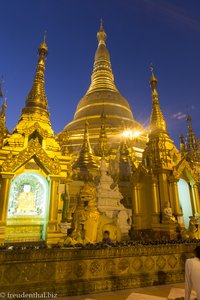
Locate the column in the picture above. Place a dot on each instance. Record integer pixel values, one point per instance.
(155, 201)
(53, 207)
(4, 197)
(155, 194)
(196, 198)
(176, 202)
(135, 205)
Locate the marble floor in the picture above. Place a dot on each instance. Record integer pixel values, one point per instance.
(161, 292)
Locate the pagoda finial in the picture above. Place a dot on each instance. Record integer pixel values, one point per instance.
(101, 25)
(157, 121)
(153, 81)
(45, 37)
(1, 91)
(101, 35)
(36, 99)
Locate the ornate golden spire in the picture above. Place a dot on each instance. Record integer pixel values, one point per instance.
(3, 128)
(182, 144)
(102, 76)
(191, 141)
(102, 146)
(85, 160)
(37, 100)
(157, 122)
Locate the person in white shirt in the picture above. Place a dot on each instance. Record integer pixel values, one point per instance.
(192, 275)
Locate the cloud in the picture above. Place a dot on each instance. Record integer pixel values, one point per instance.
(172, 11)
(179, 115)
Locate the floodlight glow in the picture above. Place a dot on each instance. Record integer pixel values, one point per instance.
(127, 133)
(136, 133)
(131, 134)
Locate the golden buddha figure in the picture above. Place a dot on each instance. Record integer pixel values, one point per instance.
(26, 203)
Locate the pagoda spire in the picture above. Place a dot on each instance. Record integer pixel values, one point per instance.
(182, 144)
(102, 77)
(157, 121)
(102, 146)
(157, 153)
(85, 160)
(3, 128)
(36, 100)
(1, 92)
(191, 140)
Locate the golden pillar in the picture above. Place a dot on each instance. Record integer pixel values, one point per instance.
(53, 231)
(155, 201)
(4, 197)
(176, 202)
(196, 198)
(53, 207)
(135, 205)
(163, 189)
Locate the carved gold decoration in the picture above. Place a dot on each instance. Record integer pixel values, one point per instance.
(110, 267)
(65, 272)
(181, 166)
(80, 269)
(123, 266)
(34, 150)
(36, 126)
(95, 267)
(137, 264)
(161, 262)
(172, 261)
(149, 263)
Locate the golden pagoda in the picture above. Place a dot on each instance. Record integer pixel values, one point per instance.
(103, 98)
(49, 183)
(95, 194)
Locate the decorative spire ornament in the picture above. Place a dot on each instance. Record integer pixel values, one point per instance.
(102, 77)
(36, 100)
(85, 160)
(157, 122)
(191, 140)
(1, 92)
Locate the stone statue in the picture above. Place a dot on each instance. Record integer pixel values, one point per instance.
(64, 197)
(194, 227)
(88, 222)
(167, 214)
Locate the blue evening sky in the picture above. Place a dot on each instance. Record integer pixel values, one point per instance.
(140, 32)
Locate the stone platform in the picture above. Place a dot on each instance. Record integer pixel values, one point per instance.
(160, 292)
(76, 271)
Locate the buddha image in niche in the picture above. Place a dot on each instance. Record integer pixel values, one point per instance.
(26, 201)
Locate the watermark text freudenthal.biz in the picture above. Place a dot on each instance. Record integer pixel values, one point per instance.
(24, 295)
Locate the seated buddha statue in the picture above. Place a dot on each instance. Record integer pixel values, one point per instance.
(26, 203)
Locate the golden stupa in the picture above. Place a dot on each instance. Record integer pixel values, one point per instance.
(102, 98)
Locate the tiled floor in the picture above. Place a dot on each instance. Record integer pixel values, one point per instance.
(148, 293)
